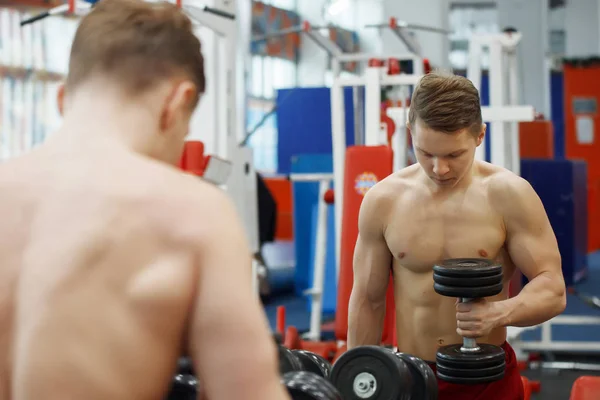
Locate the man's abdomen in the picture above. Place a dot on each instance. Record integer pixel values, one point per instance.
(421, 330)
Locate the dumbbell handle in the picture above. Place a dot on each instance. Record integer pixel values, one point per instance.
(469, 344)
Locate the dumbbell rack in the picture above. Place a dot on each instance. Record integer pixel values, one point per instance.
(547, 343)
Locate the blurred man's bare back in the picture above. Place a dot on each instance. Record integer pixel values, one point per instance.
(98, 279)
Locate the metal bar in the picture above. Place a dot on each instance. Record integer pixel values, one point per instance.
(210, 20)
(399, 142)
(358, 102)
(574, 366)
(338, 138)
(498, 139)
(351, 81)
(408, 41)
(507, 113)
(417, 27)
(557, 346)
(59, 10)
(386, 25)
(427, 28)
(325, 43)
(366, 57)
(218, 12)
(40, 16)
(310, 177)
(316, 312)
(283, 32)
(574, 320)
(373, 106)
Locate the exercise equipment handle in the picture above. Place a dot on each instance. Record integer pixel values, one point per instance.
(218, 12)
(35, 18)
(469, 344)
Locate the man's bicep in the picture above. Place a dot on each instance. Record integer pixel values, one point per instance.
(532, 244)
(372, 257)
(229, 335)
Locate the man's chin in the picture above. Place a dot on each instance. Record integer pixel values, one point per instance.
(444, 182)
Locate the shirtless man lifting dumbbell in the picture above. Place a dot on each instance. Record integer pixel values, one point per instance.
(114, 263)
(447, 206)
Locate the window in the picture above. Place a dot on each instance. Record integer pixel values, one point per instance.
(466, 21)
(264, 140)
(266, 76)
(269, 74)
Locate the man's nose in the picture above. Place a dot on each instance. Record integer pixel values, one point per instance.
(440, 167)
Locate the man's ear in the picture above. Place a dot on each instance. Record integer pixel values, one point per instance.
(177, 104)
(481, 135)
(60, 99)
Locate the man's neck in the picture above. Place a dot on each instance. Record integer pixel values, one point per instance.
(105, 123)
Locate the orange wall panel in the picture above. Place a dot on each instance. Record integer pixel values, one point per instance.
(536, 139)
(281, 189)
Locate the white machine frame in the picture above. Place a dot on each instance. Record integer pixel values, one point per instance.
(546, 343)
(230, 125)
(318, 285)
(503, 113)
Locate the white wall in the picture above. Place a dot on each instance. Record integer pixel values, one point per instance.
(582, 28)
(434, 13)
(530, 17)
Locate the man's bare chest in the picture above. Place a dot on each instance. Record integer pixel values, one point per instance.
(425, 233)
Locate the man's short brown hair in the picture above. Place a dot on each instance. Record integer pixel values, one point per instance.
(136, 44)
(446, 103)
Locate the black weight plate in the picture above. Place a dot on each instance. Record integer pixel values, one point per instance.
(470, 381)
(467, 267)
(424, 382)
(313, 363)
(288, 361)
(470, 372)
(468, 292)
(452, 357)
(183, 387)
(372, 372)
(474, 281)
(304, 385)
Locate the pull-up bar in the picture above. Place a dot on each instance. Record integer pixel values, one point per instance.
(400, 28)
(73, 7)
(70, 8)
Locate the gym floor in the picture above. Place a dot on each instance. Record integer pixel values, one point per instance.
(555, 384)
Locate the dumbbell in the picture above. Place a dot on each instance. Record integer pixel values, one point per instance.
(469, 362)
(184, 385)
(302, 360)
(377, 373)
(305, 374)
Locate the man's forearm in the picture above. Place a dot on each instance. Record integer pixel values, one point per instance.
(365, 322)
(543, 298)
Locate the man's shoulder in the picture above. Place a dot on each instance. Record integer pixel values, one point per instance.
(509, 192)
(179, 199)
(393, 188)
(503, 182)
(398, 183)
